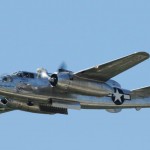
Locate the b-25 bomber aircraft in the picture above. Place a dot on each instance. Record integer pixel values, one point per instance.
(92, 88)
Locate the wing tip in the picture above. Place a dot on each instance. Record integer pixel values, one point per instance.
(146, 55)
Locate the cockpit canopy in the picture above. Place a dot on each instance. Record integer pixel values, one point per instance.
(23, 74)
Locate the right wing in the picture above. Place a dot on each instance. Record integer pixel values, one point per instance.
(109, 70)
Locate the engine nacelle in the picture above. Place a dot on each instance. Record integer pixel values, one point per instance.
(73, 84)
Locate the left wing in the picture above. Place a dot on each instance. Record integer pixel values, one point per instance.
(4, 110)
(107, 71)
(22, 96)
(55, 101)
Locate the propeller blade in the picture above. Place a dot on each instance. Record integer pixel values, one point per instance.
(62, 67)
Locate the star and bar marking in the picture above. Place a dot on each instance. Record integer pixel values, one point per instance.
(118, 97)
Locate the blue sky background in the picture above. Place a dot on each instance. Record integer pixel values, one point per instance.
(83, 33)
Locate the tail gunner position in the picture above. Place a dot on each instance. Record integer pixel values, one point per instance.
(92, 88)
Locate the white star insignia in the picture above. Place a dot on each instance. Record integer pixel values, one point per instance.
(118, 96)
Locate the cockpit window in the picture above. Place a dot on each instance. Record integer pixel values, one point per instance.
(31, 75)
(19, 75)
(28, 75)
(25, 75)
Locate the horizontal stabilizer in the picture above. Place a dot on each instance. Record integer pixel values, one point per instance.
(141, 93)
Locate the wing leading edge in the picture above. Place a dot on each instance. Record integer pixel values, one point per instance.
(109, 70)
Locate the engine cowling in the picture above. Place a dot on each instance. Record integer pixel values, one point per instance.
(54, 79)
(70, 83)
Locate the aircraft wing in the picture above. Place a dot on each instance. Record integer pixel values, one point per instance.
(109, 70)
(22, 96)
(4, 110)
(141, 93)
(40, 99)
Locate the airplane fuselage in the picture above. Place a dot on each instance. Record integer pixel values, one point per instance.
(88, 93)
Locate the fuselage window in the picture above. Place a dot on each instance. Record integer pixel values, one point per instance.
(7, 79)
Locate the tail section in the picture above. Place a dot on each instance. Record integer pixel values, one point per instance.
(141, 93)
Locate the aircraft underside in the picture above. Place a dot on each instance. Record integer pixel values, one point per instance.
(61, 106)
